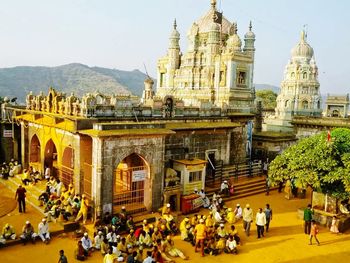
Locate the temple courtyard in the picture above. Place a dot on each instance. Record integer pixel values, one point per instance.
(285, 242)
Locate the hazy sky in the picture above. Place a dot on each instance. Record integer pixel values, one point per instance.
(126, 34)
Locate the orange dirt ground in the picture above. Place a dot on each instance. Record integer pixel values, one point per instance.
(285, 241)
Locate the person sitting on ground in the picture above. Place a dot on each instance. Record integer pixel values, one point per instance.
(156, 235)
(230, 217)
(122, 246)
(238, 212)
(131, 239)
(130, 223)
(162, 252)
(28, 233)
(224, 188)
(139, 255)
(116, 221)
(104, 247)
(8, 233)
(16, 169)
(149, 258)
(110, 257)
(98, 240)
(87, 244)
(221, 231)
(123, 215)
(145, 239)
(211, 247)
(26, 178)
(131, 257)
(112, 236)
(343, 209)
(43, 231)
(168, 247)
(233, 232)
(80, 252)
(231, 246)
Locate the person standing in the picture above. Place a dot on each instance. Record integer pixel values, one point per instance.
(21, 198)
(334, 227)
(83, 211)
(200, 232)
(247, 218)
(307, 219)
(62, 258)
(260, 220)
(268, 215)
(313, 232)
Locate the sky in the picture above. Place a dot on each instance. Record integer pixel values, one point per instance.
(128, 34)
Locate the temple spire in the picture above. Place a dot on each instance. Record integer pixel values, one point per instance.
(175, 25)
(250, 26)
(213, 4)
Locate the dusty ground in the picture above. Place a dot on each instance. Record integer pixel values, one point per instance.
(284, 243)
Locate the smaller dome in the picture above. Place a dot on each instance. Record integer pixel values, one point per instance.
(175, 33)
(302, 49)
(250, 33)
(235, 42)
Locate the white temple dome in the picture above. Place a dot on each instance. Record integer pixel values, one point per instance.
(302, 49)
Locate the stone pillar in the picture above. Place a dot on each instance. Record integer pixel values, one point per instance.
(24, 145)
(97, 179)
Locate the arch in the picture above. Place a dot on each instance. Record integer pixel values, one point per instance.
(34, 154)
(168, 106)
(318, 104)
(286, 103)
(304, 75)
(50, 157)
(292, 75)
(305, 104)
(131, 178)
(67, 171)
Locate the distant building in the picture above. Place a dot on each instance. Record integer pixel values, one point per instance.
(337, 106)
(300, 90)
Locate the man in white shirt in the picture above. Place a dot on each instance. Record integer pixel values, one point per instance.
(86, 243)
(43, 231)
(260, 220)
(149, 258)
(224, 188)
(98, 240)
(247, 218)
(238, 212)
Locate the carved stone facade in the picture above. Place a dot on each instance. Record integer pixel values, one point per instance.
(337, 106)
(215, 69)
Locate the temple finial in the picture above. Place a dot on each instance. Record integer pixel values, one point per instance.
(175, 25)
(213, 4)
(250, 25)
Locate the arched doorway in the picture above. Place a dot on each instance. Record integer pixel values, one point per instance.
(335, 113)
(50, 159)
(34, 150)
(130, 181)
(67, 170)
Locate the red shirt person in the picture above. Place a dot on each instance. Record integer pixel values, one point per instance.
(21, 198)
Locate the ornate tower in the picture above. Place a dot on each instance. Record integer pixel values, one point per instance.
(300, 89)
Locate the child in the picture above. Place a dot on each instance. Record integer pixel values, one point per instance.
(334, 226)
(313, 233)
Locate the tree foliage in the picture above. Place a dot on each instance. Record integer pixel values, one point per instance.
(267, 97)
(324, 165)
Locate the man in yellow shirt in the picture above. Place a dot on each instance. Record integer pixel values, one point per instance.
(201, 232)
(109, 257)
(84, 206)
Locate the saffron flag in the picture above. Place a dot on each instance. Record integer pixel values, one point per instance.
(329, 136)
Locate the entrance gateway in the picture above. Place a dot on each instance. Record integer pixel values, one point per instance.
(130, 181)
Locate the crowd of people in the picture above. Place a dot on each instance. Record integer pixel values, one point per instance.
(10, 169)
(28, 233)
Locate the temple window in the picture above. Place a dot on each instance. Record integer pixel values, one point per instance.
(292, 75)
(162, 80)
(305, 104)
(304, 75)
(241, 78)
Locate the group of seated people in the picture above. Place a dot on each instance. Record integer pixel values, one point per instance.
(219, 238)
(155, 237)
(28, 233)
(30, 175)
(10, 169)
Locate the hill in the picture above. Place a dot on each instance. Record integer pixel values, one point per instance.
(275, 89)
(77, 78)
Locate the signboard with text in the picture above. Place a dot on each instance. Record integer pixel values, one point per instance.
(139, 175)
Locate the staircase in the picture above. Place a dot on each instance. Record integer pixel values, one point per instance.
(248, 180)
(33, 191)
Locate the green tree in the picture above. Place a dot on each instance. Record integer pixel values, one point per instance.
(268, 98)
(324, 165)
